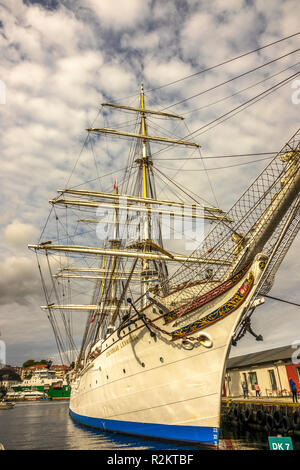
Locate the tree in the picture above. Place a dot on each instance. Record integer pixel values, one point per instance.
(32, 362)
(3, 391)
(29, 363)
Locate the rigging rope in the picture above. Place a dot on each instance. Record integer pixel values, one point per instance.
(216, 65)
(220, 167)
(240, 91)
(228, 115)
(262, 95)
(231, 79)
(281, 300)
(217, 156)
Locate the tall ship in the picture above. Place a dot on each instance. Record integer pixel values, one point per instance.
(161, 283)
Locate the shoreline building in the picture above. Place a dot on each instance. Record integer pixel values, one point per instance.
(9, 378)
(270, 369)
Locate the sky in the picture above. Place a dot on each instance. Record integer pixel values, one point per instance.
(61, 60)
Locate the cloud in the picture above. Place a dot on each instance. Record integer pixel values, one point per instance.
(116, 79)
(60, 62)
(119, 14)
(21, 280)
(19, 234)
(160, 72)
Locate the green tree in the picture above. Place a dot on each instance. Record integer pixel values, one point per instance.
(3, 391)
(29, 363)
(32, 362)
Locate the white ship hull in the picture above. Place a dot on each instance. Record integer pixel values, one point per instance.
(154, 387)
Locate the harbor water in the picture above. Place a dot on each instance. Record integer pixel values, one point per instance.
(48, 426)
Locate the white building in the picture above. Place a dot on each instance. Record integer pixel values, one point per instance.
(9, 378)
(270, 369)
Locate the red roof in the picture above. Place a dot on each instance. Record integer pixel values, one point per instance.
(36, 366)
(44, 366)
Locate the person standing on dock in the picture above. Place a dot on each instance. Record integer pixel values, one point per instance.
(257, 390)
(294, 390)
(245, 389)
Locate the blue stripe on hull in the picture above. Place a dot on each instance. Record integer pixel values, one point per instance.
(190, 434)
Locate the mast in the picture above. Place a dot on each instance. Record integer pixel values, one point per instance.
(112, 267)
(115, 242)
(145, 157)
(145, 164)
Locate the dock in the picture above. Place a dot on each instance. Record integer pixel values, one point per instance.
(276, 414)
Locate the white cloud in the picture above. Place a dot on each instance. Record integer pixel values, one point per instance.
(119, 14)
(142, 40)
(116, 79)
(159, 72)
(21, 280)
(59, 65)
(19, 234)
(58, 29)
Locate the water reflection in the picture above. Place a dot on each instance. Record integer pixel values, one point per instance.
(237, 437)
(48, 426)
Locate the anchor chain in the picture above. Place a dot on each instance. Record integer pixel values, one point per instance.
(147, 320)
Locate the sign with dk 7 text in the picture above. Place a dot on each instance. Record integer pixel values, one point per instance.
(280, 443)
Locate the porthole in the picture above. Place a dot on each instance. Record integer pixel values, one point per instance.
(143, 364)
(124, 371)
(107, 377)
(161, 359)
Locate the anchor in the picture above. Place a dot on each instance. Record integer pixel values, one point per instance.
(246, 327)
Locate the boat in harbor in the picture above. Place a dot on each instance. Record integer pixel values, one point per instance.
(32, 395)
(6, 405)
(42, 383)
(158, 323)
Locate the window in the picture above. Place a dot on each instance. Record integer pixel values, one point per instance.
(252, 379)
(272, 379)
